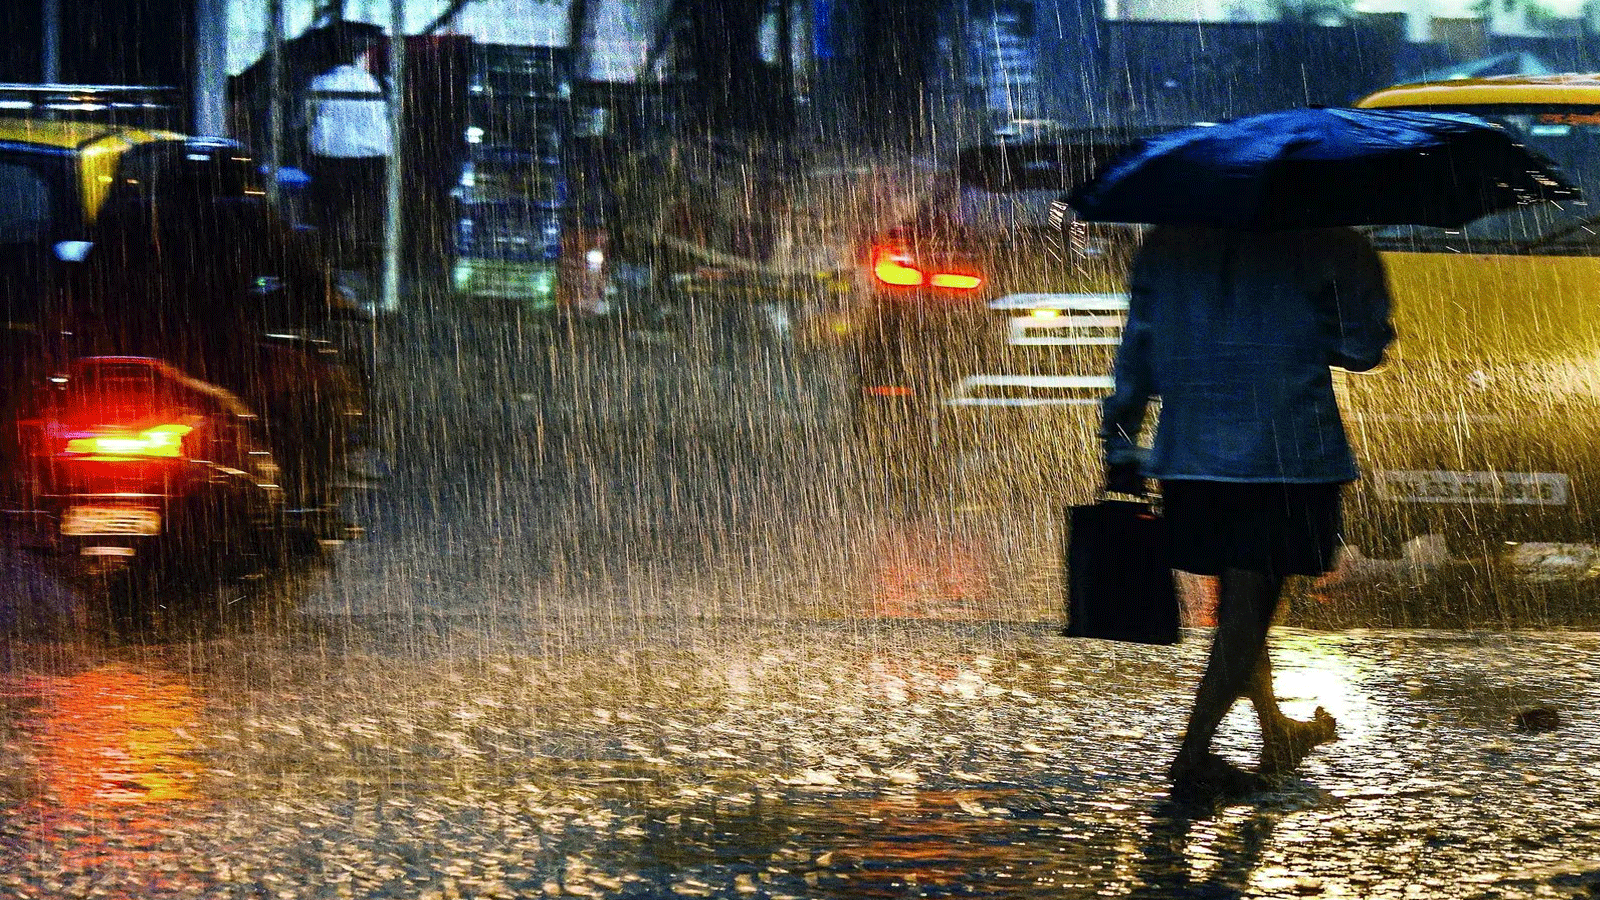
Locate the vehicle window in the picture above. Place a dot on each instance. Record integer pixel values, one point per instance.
(510, 176)
(1013, 185)
(172, 168)
(1018, 209)
(27, 207)
(1570, 137)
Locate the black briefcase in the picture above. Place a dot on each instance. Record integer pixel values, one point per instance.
(1119, 581)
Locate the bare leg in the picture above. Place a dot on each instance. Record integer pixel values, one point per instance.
(1263, 698)
(1284, 741)
(1244, 613)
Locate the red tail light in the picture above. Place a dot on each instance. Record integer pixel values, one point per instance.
(158, 442)
(894, 266)
(123, 408)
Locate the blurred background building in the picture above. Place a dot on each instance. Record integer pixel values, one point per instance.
(544, 137)
(873, 65)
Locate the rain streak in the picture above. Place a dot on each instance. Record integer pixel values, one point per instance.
(625, 449)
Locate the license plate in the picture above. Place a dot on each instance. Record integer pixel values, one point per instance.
(84, 521)
(1063, 320)
(1492, 488)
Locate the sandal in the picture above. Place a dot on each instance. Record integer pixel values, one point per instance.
(1284, 746)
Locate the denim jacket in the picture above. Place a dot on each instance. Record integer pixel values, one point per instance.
(1235, 332)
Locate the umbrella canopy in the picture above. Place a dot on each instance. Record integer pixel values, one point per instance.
(316, 50)
(1317, 168)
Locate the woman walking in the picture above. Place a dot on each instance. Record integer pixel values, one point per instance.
(1235, 332)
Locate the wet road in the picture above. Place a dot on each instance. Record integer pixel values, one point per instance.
(630, 622)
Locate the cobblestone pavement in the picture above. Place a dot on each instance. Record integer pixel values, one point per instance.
(429, 758)
(632, 622)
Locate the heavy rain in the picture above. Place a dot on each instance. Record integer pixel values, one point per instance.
(624, 449)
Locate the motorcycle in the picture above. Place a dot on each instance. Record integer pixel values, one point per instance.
(128, 461)
(168, 408)
(130, 471)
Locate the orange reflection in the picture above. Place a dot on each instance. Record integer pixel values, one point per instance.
(1197, 596)
(919, 574)
(115, 768)
(116, 734)
(940, 842)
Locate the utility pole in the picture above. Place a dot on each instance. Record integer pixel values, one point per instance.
(397, 95)
(50, 57)
(786, 61)
(210, 87)
(275, 28)
(578, 12)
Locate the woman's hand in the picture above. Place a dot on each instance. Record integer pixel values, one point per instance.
(1124, 478)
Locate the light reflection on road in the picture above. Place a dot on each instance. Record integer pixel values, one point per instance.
(116, 734)
(846, 759)
(112, 761)
(1309, 673)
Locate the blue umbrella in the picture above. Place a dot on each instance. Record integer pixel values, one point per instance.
(1315, 168)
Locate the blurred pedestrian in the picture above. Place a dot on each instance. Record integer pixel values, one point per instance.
(350, 144)
(1235, 332)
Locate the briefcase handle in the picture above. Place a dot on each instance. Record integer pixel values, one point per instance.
(1151, 499)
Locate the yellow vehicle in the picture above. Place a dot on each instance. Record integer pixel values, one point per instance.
(1484, 427)
(56, 176)
(68, 169)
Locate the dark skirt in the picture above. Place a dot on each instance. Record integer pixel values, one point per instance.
(1272, 527)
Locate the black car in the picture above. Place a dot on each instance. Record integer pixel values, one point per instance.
(980, 311)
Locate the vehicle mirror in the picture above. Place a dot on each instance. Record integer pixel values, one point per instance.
(73, 251)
